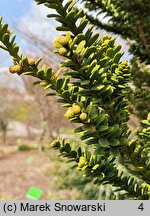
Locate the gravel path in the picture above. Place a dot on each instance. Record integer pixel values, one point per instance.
(17, 175)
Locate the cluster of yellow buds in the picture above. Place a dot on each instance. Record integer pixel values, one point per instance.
(61, 43)
(75, 110)
(18, 68)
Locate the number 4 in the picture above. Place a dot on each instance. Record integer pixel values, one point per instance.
(141, 207)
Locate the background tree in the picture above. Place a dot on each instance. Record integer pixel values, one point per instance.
(34, 110)
(24, 111)
(51, 117)
(6, 113)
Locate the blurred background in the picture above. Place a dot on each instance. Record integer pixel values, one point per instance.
(29, 120)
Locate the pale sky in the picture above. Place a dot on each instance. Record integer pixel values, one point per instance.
(19, 13)
(14, 9)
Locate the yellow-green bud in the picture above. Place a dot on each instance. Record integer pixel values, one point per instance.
(76, 109)
(43, 83)
(82, 162)
(31, 61)
(63, 40)
(56, 43)
(83, 116)
(15, 69)
(69, 113)
(62, 51)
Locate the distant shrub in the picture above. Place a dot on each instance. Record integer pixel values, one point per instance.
(27, 148)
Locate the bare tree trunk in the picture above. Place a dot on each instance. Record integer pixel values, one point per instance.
(44, 131)
(4, 128)
(4, 136)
